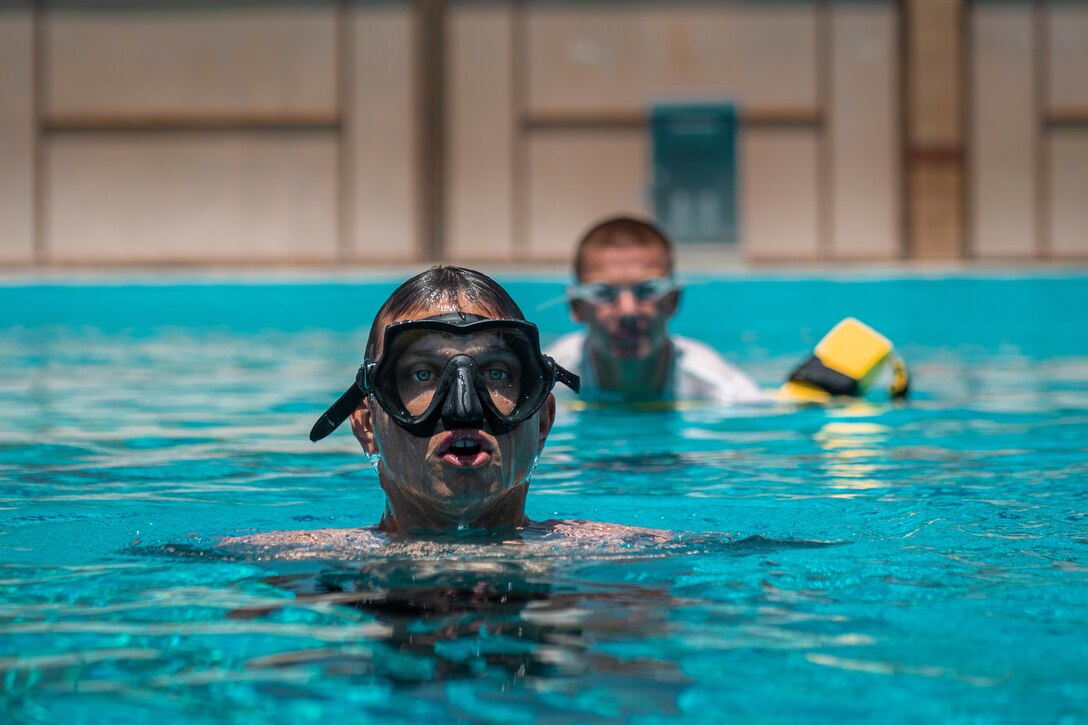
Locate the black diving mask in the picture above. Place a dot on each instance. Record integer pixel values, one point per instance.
(457, 370)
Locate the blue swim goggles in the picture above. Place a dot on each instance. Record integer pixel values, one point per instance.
(602, 293)
(454, 371)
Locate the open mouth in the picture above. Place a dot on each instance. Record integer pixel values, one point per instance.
(627, 343)
(465, 449)
(628, 336)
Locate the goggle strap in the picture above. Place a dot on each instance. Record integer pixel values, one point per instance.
(337, 413)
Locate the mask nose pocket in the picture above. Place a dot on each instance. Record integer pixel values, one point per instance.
(462, 408)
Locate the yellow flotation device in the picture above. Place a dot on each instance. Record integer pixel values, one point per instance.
(846, 362)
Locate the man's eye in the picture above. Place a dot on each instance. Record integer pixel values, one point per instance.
(421, 376)
(606, 293)
(497, 374)
(651, 288)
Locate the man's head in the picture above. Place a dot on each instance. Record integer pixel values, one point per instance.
(625, 293)
(443, 460)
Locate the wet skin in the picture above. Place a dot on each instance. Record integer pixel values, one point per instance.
(459, 477)
(628, 338)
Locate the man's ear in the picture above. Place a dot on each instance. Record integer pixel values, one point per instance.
(547, 418)
(577, 310)
(362, 425)
(671, 303)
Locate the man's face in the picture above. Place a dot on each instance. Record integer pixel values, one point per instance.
(626, 328)
(455, 476)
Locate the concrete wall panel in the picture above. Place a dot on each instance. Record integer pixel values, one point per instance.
(1069, 193)
(480, 180)
(16, 137)
(779, 204)
(577, 177)
(382, 194)
(1067, 66)
(1004, 125)
(177, 197)
(626, 56)
(864, 129)
(238, 60)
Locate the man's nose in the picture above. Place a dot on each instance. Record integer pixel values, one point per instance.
(627, 303)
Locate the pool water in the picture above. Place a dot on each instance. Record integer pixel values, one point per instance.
(870, 561)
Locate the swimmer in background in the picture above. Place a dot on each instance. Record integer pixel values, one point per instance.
(625, 296)
(452, 406)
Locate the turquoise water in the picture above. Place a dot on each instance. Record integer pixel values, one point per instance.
(864, 562)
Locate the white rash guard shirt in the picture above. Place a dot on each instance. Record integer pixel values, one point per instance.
(696, 373)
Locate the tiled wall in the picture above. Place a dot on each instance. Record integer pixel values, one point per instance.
(291, 132)
(233, 149)
(380, 177)
(209, 133)
(1029, 125)
(586, 67)
(934, 134)
(1066, 119)
(17, 130)
(1004, 126)
(482, 127)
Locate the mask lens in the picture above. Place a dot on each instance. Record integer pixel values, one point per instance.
(505, 368)
(500, 372)
(416, 377)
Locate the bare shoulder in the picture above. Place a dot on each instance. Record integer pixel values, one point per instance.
(544, 538)
(598, 533)
(305, 543)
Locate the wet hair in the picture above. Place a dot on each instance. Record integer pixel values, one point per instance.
(443, 285)
(621, 231)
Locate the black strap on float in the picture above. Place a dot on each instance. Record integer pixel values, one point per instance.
(814, 372)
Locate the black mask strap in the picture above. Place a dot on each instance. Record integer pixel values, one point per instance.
(338, 412)
(566, 377)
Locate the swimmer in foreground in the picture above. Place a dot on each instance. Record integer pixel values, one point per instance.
(452, 405)
(625, 296)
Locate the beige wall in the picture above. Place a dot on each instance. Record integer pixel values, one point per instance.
(779, 199)
(275, 133)
(482, 126)
(1029, 130)
(934, 135)
(210, 167)
(863, 131)
(381, 180)
(185, 197)
(1004, 128)
(623, 57)
(576, 176)
(1067, 59)
(1068, 203)
(245, 60)
(17, 130)
(591, 73)
(1067, 144)
(292, 132)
